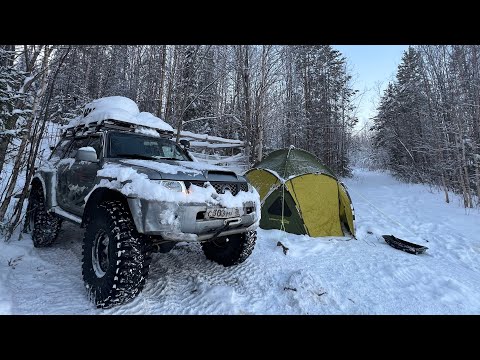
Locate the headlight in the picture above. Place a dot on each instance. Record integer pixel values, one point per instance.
(178, 186)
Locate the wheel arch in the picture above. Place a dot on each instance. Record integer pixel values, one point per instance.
(98, 196)
(37, 181)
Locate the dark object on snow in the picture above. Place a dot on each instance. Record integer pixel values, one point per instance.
(285, 249)
(404, 245)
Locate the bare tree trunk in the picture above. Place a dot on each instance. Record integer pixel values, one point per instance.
(260, 139)
(171, 79)
(247, 100)
(477, 177)
(466, 177)
(4, 142)
(441, 161)
(464, 167)
(15, 171)
(162, 80)
(460, 174)
(288, 98)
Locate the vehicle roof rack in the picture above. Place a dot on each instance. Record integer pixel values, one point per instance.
(89, 128)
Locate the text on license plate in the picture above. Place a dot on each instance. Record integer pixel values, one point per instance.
(223, 213)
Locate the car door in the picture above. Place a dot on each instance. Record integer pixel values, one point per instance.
(77, 178)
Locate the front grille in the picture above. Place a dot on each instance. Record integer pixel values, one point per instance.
(196, 183)
(221, 187)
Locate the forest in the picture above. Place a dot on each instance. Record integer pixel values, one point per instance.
(427, 129)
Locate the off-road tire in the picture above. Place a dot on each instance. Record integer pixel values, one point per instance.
(230, 250)
(45, 226)
(127, 261)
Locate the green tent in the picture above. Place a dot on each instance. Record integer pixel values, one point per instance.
(300, 195)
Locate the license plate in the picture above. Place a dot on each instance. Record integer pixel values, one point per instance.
(224, 213)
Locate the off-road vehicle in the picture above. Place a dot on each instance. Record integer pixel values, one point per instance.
(118, 173)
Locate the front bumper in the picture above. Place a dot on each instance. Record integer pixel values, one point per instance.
(185, 222)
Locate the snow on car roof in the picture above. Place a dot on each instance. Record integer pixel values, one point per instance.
(118, 108)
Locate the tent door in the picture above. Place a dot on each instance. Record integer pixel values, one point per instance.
(272, 213)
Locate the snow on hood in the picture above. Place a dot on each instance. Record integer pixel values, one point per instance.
(132, 183)
(161, 167)
(118, 108)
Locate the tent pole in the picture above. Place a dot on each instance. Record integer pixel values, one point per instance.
(282, 226)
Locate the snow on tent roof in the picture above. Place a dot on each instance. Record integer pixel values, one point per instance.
(118, 108)
(290, 162)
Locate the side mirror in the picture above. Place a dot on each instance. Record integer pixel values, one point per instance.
(86, 154)
(185, 144)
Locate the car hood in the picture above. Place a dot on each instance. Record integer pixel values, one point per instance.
(179, 170)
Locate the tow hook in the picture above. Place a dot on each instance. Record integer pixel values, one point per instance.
(232, 221)
(226, 224)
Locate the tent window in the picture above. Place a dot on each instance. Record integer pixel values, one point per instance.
(276, 208)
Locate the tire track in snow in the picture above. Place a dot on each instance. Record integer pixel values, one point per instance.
(185, 282)
(49, 280)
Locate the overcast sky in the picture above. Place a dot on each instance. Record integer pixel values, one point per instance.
(370, 66)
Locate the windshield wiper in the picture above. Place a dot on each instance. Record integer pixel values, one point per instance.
(137, 156)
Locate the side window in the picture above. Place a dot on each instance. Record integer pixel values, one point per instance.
(77, 144)
(172, 152)
(60, 149)
(96, 143)
(168, 151)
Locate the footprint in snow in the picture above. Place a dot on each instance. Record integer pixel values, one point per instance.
(305, 284)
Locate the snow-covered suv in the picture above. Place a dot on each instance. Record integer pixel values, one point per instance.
(117, 173)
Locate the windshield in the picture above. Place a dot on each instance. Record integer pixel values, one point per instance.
(134, 146)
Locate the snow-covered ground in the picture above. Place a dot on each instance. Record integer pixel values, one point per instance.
(317, 276)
